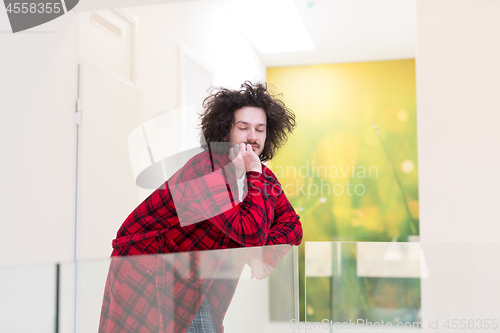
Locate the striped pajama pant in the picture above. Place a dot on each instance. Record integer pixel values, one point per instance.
(203, 321)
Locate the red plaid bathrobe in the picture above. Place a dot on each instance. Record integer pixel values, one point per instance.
(163, 293)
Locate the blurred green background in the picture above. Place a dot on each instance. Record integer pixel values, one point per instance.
(342, 179)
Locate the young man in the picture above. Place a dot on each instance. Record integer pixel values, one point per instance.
(222, 198)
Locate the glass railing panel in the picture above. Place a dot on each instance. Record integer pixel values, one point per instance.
(67, 298)
(28, 298)
(413, 286)
(164, 292)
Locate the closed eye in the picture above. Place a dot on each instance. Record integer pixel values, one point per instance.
(244, 129)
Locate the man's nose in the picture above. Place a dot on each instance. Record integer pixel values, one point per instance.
(251, 135)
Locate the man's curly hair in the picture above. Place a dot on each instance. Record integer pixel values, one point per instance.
(217, 120)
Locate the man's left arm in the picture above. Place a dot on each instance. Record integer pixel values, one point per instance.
(286, 227)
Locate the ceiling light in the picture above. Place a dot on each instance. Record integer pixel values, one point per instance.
(271, 25)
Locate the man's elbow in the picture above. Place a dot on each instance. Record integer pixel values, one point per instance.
(255, 243)
(299, 232)
(254, 240)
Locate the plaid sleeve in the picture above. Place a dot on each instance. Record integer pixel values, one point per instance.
(248, 223)
(286, 227)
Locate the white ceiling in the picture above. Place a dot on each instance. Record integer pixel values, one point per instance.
(341, 30)
(353, 31)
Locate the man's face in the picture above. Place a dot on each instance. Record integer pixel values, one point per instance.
(249, 127)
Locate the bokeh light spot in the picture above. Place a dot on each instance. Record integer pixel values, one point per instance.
(403, 115)
(407, 166)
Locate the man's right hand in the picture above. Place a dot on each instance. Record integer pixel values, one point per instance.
(243, 156)
(259, 269)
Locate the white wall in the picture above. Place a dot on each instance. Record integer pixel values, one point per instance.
(38, 93)
(458, 104)
(205, 28)
(458, 117)
(38, 89)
